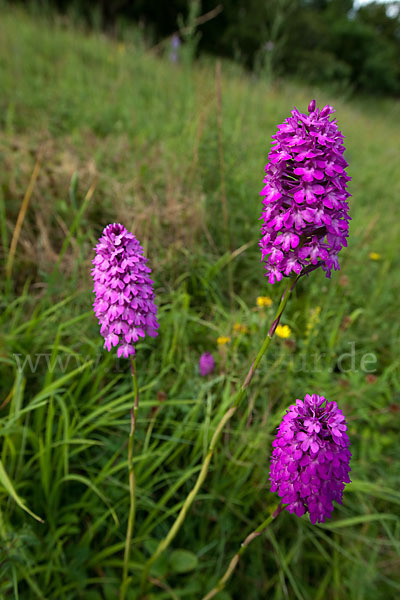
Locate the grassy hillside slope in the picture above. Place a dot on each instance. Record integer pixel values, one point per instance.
(106, 132)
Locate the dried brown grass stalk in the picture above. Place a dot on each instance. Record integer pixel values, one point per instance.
(224, 203)
(21, 217)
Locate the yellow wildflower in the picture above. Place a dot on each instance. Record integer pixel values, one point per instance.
(121, 48)
(264, 301)
(223, 339)
(239, 328)
(374, 255)
(283, 331)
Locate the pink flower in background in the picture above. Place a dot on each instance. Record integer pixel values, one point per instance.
(124, 303)
(175, 45)
(206, 364)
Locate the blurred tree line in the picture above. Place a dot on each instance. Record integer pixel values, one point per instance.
(318, 41)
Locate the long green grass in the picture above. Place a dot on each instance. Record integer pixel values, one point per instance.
(121, 134)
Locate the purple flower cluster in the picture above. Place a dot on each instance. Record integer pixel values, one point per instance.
(310, 460)
(206, 364)
(124, 292)
(305, 215)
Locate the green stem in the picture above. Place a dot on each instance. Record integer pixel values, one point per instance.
(163, 545)
(285, 297)
(132, 505)
(235, 560)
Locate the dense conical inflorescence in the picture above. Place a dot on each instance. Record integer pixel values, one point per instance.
(310, 460)
(124, 303)
(305, 218)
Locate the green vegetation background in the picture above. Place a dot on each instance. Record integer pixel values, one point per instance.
(122, 135)
(347, 45)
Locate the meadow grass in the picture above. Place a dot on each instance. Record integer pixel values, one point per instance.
(114, 132)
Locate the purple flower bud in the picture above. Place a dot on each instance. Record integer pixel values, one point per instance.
(124, 303)
(206, 364)
(310, 460)
(327, 110)
(304, 196)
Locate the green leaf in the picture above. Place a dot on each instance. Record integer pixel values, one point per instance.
(359, 520)
(223, 595)
(6, 482)
(90, 485)
(182, 561)
(377, 490)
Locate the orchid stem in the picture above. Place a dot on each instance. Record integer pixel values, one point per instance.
(132, 503)
(267, 341)
(235, 560)
(164, 543)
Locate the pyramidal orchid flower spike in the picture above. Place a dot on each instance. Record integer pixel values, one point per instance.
(124, 306)
(310, 460)
(124, 303)
(309, 467)
(305, 220)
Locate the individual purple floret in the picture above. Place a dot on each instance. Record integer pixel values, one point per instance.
(124, 291)
(310, 460)
(305, 215)
(206, 364)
